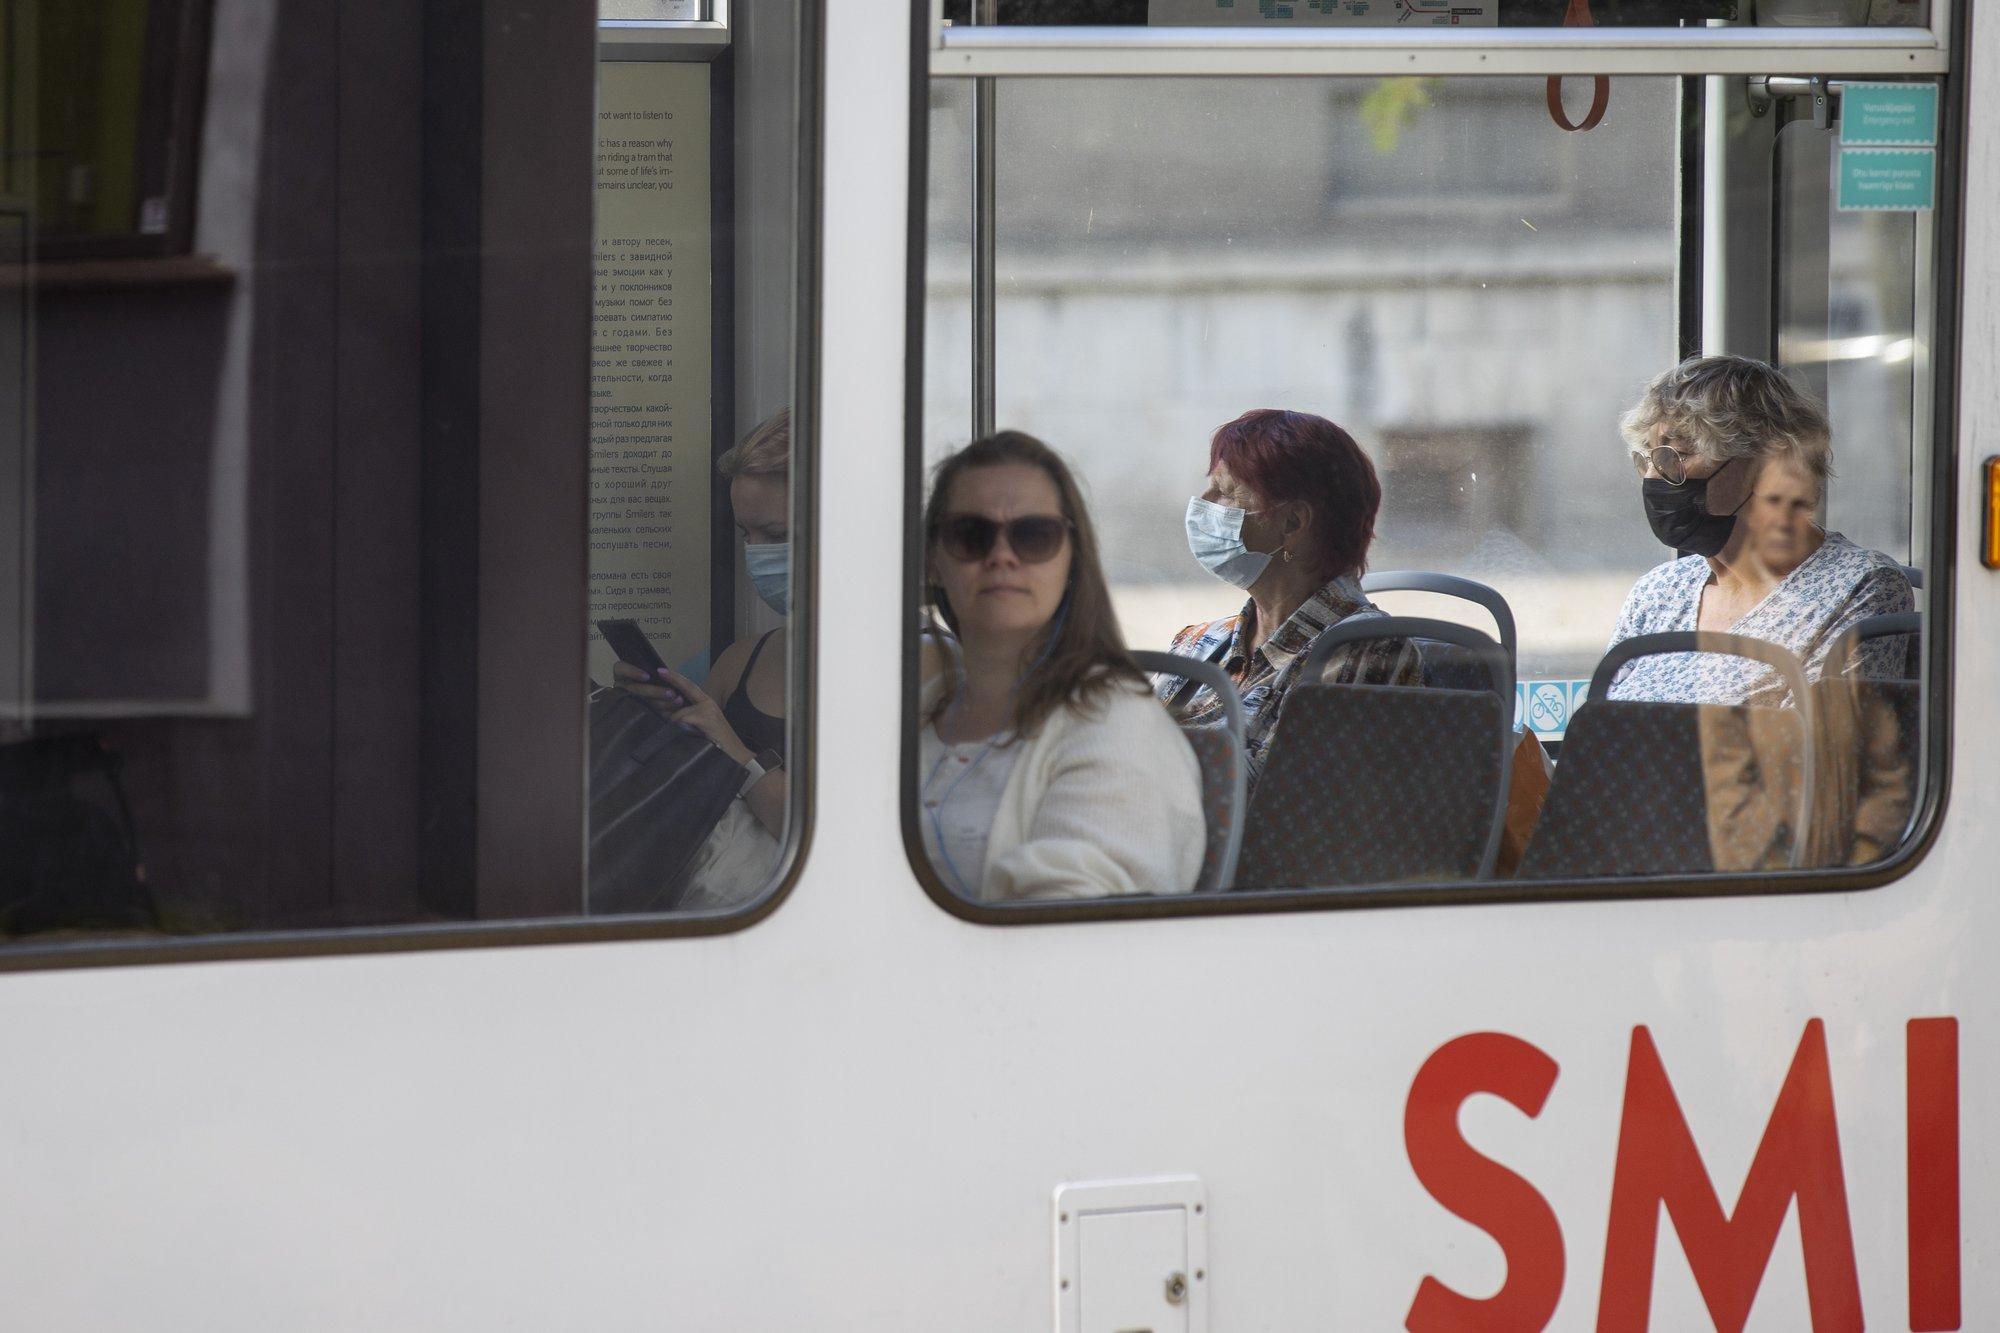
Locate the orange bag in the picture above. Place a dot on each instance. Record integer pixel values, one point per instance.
(1527, 788)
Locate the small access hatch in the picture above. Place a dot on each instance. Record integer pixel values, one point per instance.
(1132, 1256)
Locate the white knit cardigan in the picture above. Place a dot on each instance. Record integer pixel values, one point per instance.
(1104, 800)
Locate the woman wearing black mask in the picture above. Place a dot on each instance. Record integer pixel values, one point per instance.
(1733, 461)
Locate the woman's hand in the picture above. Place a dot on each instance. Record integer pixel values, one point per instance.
(643, 687)
(704, 715)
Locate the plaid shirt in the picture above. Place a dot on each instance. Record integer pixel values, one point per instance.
(1264, 676)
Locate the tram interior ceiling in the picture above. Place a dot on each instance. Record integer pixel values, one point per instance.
(297, 452)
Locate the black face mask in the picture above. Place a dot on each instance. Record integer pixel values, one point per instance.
(1679, 515)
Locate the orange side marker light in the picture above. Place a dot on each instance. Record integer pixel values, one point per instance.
(1989, 546)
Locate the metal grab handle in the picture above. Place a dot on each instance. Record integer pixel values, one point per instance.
(1874, 627)
(1624, 653)
(1202, 671)
(1359, 629)
(1450, 585)
(1212, 675)
(1735, 645)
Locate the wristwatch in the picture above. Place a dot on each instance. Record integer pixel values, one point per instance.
(767, 761)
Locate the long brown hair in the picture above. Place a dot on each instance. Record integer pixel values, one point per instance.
(1087, 655)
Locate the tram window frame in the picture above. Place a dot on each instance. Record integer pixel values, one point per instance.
(615, 42)
(1558, 53)
(986, 47)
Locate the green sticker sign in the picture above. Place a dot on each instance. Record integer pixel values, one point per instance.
(1889, 115)
(1885, 180)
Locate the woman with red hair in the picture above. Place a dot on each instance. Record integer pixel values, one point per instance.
(1287, 516)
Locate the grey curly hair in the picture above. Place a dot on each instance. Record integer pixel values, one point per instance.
(1733, 407)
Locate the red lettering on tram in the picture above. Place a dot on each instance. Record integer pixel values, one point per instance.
(1479, 1189)
(1931, 1090)
(1658, 1163)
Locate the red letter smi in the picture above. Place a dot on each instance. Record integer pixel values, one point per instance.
(1479, 1189)
(1658, 1162)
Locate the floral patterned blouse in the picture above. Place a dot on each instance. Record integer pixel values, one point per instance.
(1835, 587)
(1265, 676)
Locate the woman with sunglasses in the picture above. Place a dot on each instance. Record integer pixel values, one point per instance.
(1733, 460)
(1047, 768)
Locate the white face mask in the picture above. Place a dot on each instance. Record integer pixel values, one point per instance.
(1215, 538)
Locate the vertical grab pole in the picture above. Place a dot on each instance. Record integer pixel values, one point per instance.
(1713, 222)
(984, 207)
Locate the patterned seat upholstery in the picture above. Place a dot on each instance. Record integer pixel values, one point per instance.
(1672, 789)
(1373, 784)
(1220, 756)
(1629, 796)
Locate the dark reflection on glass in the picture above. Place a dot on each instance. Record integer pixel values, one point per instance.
(295, 436)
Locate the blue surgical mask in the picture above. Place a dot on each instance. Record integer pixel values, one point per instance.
(770, 569)
(1215, 538)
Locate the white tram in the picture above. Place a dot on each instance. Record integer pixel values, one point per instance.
(327, 448)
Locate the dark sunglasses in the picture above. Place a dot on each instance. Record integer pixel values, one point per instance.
(1034, 540)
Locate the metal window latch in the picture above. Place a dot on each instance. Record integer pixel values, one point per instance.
(1766, 90)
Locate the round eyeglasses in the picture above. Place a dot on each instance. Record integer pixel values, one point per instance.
(1670, 463)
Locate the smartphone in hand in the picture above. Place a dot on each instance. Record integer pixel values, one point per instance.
(631, 644)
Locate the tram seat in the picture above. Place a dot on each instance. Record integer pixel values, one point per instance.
(1446, 665)
(1381, 784)
(1224, 774)
(1870, 744)
(1649, 788)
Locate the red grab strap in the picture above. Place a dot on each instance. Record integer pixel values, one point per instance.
(1578, 16)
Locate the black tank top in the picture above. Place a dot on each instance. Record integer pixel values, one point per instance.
(752, 725)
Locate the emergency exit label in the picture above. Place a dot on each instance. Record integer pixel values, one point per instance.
(1876, 180)
(1889, 115)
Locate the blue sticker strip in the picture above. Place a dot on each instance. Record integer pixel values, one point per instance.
(1546, 706)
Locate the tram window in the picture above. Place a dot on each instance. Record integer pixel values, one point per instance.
(326, 521)
(1476, 298)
